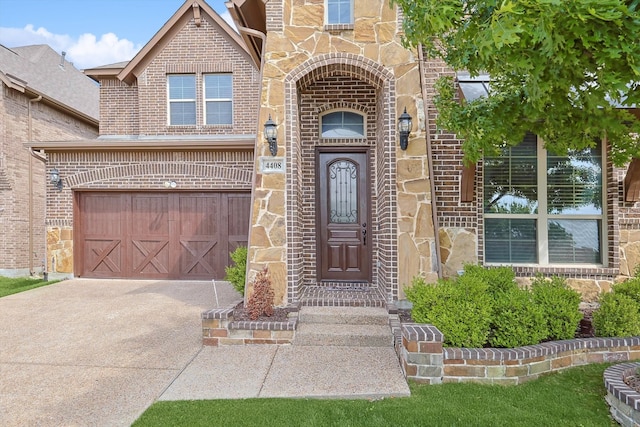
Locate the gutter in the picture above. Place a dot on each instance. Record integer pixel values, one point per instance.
(30, 207)
(432, 184)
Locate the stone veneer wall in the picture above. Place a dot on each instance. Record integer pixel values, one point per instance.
(133, 171)
(300, 55)
(424, 359)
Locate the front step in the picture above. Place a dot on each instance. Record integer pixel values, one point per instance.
(344, 327)
(342, 315)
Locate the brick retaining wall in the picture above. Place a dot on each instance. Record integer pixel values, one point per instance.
(423, 358)
(219, 328)
(624, 402)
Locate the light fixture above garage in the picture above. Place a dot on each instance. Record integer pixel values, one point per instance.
(271, 135)
(405, 124)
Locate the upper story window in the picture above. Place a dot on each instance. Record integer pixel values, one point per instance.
(540, 208)
(339, 12)
(181, 89)
(342, 124)
(218, 96)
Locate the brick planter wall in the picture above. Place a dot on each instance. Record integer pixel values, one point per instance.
(423, 358)
(623, 400)
(219, 328)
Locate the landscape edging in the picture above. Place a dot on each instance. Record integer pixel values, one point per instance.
(424, 359)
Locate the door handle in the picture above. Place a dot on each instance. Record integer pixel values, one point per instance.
(364, 233)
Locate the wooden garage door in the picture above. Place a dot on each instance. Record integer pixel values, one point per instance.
(158, 235)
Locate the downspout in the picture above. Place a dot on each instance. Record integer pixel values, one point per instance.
(253, 181)
(432, 181)
(30, 204)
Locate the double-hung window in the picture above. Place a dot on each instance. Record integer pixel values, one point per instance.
(181, 90)
(218, 96)
(541, 208)
(339, 12)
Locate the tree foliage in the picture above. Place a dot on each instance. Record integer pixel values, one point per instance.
(559, 69)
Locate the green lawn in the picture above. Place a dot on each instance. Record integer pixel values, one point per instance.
(10, 286)
(574, 397)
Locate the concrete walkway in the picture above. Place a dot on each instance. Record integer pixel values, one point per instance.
(99, 352)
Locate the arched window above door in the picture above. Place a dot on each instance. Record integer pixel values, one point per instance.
(342, 124)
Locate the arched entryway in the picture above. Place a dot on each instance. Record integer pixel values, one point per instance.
(355, 250)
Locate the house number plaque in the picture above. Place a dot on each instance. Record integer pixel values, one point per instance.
(272, 164)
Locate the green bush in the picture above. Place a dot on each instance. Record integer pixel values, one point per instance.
(236, 274)
(498, 279)
(560, 306)
(516, 320)
(630, 288)
(460, 310)
(618, 316)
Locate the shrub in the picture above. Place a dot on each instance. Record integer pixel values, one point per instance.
(498, 279)
(618, 316)
(236, 273)
(261, 299)
(460, 310)
(630, 288)
(560, 306)
(516, 320)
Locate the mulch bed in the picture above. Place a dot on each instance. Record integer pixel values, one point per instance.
(633, 382)
(280, 314)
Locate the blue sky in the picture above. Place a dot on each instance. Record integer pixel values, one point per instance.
(92, 32)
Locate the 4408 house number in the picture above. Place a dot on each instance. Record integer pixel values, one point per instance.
(272, 164)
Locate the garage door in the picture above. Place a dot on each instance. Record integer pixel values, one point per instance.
(158, 235)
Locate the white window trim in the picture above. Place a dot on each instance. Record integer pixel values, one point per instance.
(542, 217)
(343, 110)
(169, 100)
(326, 15)
(205, 100)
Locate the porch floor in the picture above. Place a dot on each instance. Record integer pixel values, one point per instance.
(341, 295)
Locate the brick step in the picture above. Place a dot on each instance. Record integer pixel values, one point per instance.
(343, 335)
(342, 315)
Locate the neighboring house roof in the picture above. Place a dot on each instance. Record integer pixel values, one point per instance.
(40, 70)
(191, 9)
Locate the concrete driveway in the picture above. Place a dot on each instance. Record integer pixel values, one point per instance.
(88, 352)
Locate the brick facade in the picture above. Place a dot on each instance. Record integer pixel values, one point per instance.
(137, 149)
(47, 123)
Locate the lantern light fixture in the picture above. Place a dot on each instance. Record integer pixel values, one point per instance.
(271, 135)
(54, 177)
(405, 124)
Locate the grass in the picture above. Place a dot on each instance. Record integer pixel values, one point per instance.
(574, 397)
(10, 286)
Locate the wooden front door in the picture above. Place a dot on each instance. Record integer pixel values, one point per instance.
(343, 232)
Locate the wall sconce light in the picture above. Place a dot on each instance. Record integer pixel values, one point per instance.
(404, 128)
(55, 178)
(271, 135)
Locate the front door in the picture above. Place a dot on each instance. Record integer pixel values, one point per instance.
(343, 236)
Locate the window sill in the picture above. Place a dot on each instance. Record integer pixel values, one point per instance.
(578, 271)
(337, 28)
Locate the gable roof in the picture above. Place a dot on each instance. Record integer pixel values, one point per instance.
(191, 9)
(40, 70)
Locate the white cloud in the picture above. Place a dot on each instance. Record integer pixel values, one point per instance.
(85, 52)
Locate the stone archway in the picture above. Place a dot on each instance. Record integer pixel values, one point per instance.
(306, 97)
